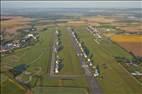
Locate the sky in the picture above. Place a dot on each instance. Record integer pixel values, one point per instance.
(71, 4)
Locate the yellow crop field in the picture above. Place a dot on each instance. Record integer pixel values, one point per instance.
(127, 38)
(132, 43)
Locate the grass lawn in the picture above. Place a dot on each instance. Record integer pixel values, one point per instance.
(59, 90)
(77, 82)
(11, 87)
(116, 80)
(71, 65)
(3, 77)
(38, 54)
(31, 53)
(70, 60)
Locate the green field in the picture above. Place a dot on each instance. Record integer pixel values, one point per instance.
(29, 54)
(70, 59)
(116, 80)
(71, 65)
(36, 56)
(59, 90)
(39, 56)
(11, 87)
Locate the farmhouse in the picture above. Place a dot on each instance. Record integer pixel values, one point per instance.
(29, 39)
(16, 43)
(28, 29)
(107, 29)
(2, 50)
(30, 36)
(7, 47)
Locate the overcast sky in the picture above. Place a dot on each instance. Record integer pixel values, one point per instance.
(71, 4)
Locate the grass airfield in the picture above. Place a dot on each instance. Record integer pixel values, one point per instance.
(116, 79)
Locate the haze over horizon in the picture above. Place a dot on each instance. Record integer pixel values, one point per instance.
(71, 4)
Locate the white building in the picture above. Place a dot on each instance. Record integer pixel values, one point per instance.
(30, 35)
